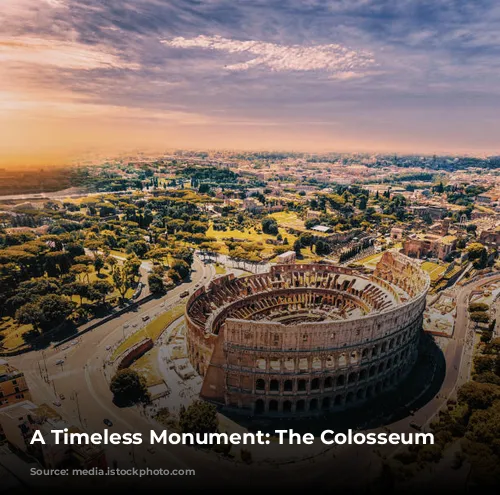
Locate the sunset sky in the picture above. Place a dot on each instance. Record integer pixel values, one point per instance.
(349, 75)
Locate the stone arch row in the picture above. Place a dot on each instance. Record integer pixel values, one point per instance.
(331, 361)
(334, 402)
(319, 384)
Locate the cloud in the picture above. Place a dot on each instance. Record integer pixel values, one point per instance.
(332, 58)
(61, 54)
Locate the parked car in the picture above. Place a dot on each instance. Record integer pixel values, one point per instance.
(145, 318)
(415, 425)
(108, 422)
(60, 361)
(184, 294)
(61, 396)
(57, 403)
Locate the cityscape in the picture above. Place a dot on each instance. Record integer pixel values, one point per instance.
(274, 221)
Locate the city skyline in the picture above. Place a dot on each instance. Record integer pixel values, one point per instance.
(367, 76)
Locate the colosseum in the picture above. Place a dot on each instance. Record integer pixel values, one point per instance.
(306, 337)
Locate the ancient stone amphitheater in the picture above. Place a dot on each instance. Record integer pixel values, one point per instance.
(306, 337)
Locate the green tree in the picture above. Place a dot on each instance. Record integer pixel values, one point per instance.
(156, 285)
(199, 417)
(128, 387)
(98, 264)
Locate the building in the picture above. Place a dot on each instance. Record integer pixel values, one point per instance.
(321, 228)
(18, 423)
(429, 246)
(306, 338)
(13, 386)
(490, 238)
(397, 233)
(287, 257)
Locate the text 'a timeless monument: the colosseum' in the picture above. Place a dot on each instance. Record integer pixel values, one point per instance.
(306, 337)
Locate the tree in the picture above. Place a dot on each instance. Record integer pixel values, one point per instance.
(297, 246)
(102, 288)
(132, 266)
(156, 285)
(77, 288)
(121, 281)
(48, 311)
(128, 387)
(478, 395)
(98, 264)
(181, 267)
(199, 417)
(269, 226)
(479, 317)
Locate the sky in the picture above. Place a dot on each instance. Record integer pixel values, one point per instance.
(406, 76)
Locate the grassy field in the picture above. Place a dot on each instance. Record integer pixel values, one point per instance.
(247, 235)
(434, 270)
(288, 219)
(220, 269)
(153, 330)
(146, 366)
(12, 333)
(370, 261)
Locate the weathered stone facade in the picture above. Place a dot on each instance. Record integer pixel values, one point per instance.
(306, 338)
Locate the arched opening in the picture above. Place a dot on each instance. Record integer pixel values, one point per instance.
(340, 380)
(328, 382)
(273, 406)
(360, 394)
(301, 405)
(378, 387)
(326, 403)
(373, 369)
(364, 353)
(313, 405)
(349, 397)
(338, 400)
(352, 378)
(369, 391)
(260, 384)
(259, 406)
(381, 367)
(288, 386)
(330, 362)
(374, 351)
(362, 374)
(301, 385)
(287, 406)
(315, 384)
(274, 386)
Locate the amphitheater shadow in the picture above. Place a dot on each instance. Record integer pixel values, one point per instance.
(419, 388)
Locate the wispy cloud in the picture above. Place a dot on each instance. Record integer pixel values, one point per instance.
(333, 58)
(61, 54)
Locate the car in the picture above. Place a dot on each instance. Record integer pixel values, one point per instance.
(184, 294)
(415, 426)
(134, 325)
(108, 347)
(151, 450)
(57, 403)
(61, 396)
(126, 325)
(108, 422)
(59, 362)
(145, 318)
